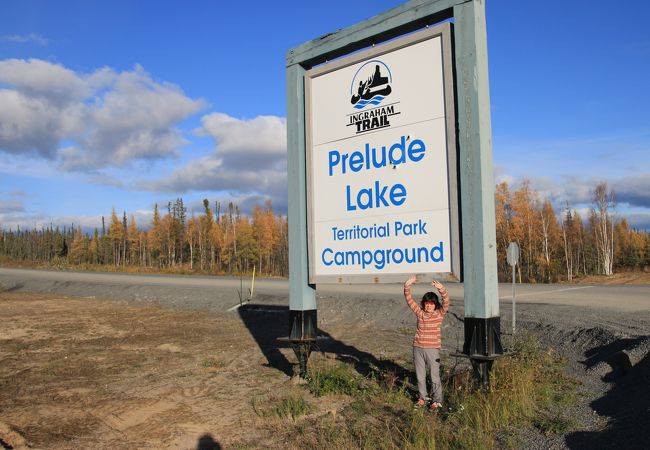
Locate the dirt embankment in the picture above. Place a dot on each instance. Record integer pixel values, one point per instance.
(632, 277)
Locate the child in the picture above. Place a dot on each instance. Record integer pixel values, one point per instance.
(427, 341)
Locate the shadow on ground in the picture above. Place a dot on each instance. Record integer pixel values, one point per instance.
(626, 404)
(207, 442)
(15, 287)
(267, 323)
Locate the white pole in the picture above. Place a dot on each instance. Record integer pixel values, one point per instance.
(251, 291)
(513, 299)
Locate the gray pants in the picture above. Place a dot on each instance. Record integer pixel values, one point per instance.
(423, 357)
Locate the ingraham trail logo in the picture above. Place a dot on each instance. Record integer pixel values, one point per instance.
(370, 87)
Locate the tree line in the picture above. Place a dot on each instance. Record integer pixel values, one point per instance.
(213, 241)
(556, 247)
(553, 247)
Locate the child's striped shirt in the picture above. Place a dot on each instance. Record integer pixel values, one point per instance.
(428, 334)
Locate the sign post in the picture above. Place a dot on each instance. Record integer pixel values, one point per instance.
(513, 259)
(389, 146)
(302, 294)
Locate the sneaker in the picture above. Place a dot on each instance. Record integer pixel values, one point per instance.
(420, 403)
(435, 406)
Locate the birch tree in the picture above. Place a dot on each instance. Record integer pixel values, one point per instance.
(604, 227)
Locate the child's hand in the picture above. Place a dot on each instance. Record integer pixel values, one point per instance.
(412, 279)
(437, 284)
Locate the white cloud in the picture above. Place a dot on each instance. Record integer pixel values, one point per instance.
(36, 78)
(11, 206)
(18, 219)
(110, 118)
(261, 135)
(249, 160)
(258, 143)
(633, 190)
(33, 38)
(28, 124)
(245, 203)
(105, 180)
(639, 221)
(501, 175)
(631, 195)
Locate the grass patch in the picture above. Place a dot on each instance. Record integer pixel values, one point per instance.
(212, 364)
(554, 423)
(292, 406)
(527, 389)
(334, 379)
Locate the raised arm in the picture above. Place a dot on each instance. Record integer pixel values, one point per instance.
(407, 295)
(444, 295)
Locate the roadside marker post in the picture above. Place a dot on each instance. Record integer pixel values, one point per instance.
(470, 211)
(513, 259)
(251, 291)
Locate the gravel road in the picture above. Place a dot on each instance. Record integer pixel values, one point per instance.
(603, 332)
(220, 293)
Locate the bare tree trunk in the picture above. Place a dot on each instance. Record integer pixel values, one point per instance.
(568, 254)
(603, 221)
(201, 250)
(545, 247)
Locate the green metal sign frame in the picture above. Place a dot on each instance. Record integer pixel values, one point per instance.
(474, 140)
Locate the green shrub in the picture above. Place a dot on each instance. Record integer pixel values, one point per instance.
(554, 423)
(291, 406)
(336, 379)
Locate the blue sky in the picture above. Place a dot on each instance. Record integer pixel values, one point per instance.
(129, 103)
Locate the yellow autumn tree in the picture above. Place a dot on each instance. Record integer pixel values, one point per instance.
(135, 246)
(265, 233)
(78, 247)
(116, 233)
(503, 219)
(154, 238)
(525, 223)
(93, 248)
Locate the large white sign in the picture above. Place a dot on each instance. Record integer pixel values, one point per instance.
(380, 141)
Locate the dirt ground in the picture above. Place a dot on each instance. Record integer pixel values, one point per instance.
(85, 373)
(82, 373)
